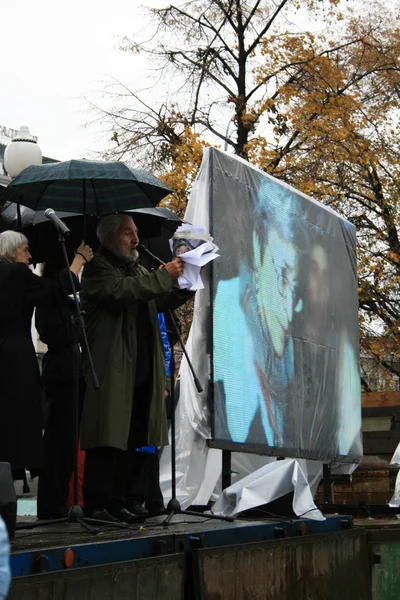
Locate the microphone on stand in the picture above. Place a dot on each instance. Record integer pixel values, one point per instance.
(149, 255)
(58, 224)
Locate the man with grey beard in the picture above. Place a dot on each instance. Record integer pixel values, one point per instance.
(121, 300)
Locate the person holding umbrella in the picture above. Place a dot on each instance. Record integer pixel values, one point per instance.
(62, 363)
(121, 300)
(20, 292)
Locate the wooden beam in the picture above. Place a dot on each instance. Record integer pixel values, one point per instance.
(380, 446)
(380, 400)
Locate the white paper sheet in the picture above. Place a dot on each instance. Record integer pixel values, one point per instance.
(194, 259)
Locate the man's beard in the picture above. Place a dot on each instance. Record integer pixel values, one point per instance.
(130, 256)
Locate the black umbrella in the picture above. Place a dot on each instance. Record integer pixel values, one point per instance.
(86, 187)
(43, 236)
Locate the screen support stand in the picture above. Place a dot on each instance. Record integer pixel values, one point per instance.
(327, 483)
(226, 469)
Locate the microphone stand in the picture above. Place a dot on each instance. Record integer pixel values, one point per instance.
(174, 506)
(75, 514)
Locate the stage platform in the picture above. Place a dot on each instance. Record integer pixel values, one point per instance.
(42, 549)
(193, 558)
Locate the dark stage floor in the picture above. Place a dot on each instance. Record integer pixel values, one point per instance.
(44, 549)
(67, 534)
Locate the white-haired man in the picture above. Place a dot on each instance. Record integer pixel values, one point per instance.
(121, 300)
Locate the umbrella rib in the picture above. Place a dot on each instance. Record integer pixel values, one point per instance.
(95, 198)
(43, 193)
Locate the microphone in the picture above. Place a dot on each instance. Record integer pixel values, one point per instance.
(58, 224)
(149, 255)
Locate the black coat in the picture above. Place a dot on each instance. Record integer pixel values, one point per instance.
(20, 421)
(57, 327)
(121, 303)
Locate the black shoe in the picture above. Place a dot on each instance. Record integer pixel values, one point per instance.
(136, 508)
(124, 515)
(100, 514)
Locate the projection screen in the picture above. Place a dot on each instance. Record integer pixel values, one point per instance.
(284, 335)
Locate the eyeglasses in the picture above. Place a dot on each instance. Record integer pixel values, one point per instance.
(285, 285)
(283, 277)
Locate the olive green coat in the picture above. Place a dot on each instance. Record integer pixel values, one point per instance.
(110, 300)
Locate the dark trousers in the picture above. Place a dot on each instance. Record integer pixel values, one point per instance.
(59, 445)
(144, 487)
(108, 471)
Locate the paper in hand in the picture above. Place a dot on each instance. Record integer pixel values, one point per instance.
(196, 248)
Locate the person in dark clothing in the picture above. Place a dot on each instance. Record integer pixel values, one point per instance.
(20, 291)
(61, 365)
(145, 478)
(144, 485)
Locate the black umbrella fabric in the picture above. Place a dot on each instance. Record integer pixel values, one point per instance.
(9, 216)
(43, 236)
(87, 187)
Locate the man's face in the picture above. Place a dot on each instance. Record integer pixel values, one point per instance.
(277, 270)
(126, 239)
(22, 254)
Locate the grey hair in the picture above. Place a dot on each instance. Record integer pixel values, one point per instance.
(108, 226)
(10, 241)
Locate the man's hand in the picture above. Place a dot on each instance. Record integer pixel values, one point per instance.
(175, 268)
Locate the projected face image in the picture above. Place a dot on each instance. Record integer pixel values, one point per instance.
(276, 266)
(284, 321)
(253, 314)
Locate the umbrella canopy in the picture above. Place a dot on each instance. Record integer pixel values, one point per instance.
(87, 187)
(9, 216)
(43, 236)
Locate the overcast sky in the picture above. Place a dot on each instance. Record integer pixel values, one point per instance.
(55, 54)
(52, 55)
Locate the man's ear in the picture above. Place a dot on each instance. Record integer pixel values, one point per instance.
(107, 243)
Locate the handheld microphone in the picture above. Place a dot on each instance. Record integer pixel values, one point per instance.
(149, 255)
(51, 215)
